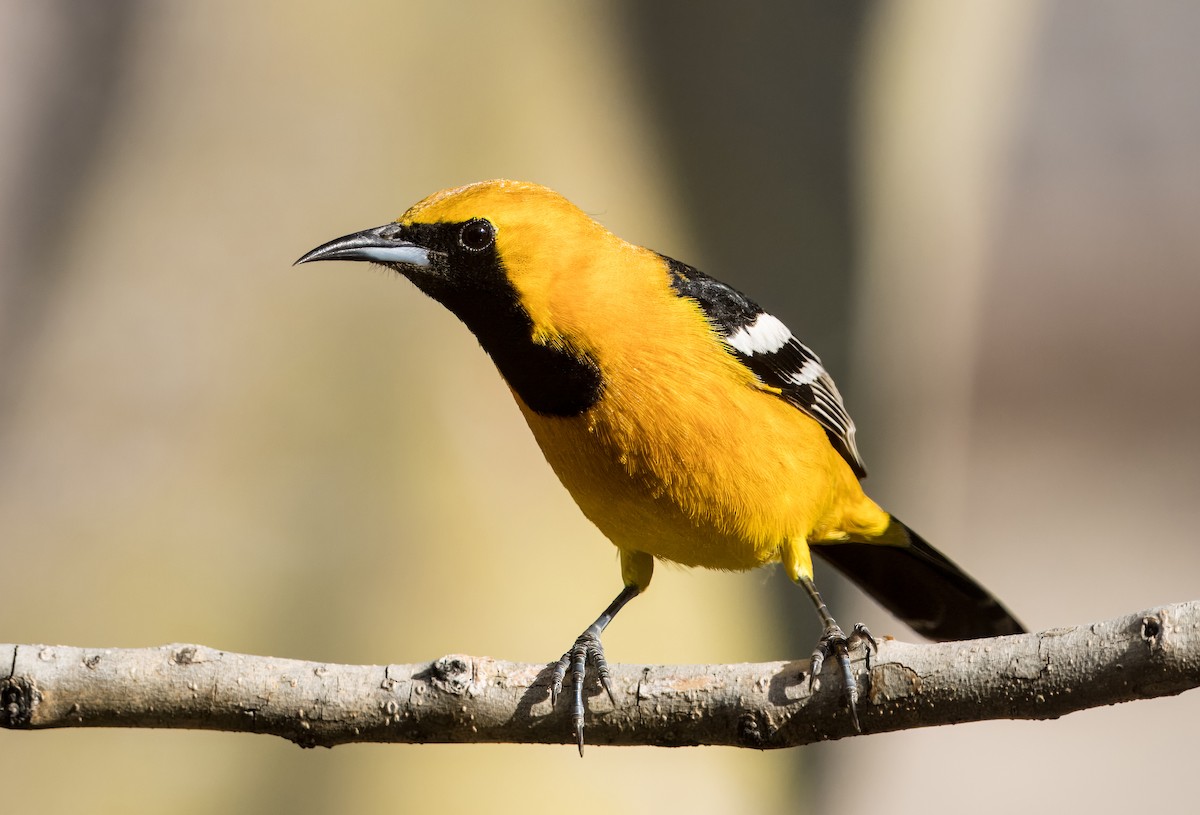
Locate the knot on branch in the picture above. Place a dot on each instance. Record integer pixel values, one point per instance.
(1154, 630)
(754, 729)
(17, 701)
(452, 674)
(186, 655)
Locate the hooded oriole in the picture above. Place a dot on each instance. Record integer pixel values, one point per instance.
(687, 423)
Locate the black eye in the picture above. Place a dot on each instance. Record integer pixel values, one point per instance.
(476, 235)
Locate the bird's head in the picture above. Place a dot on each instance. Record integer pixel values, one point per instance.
(485, 246)
(523, 267)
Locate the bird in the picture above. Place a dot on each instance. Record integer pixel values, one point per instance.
(688, 424)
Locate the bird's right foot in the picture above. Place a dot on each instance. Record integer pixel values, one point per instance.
(835, 643)
(587, 649)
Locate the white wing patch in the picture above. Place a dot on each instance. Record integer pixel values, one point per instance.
(772, 353)
(810, 372)
(766, 335)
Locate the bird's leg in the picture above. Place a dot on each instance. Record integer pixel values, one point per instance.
(834, 642)
(587, 648)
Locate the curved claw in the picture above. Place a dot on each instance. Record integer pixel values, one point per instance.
(835, 643)
(587, 649)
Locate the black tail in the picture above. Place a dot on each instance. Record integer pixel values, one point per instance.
(921, 586)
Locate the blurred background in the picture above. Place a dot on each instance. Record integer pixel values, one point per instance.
(982, 215)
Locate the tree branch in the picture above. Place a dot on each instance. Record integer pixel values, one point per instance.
(478, 699)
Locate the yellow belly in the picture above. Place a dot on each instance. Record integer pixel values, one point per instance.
(705, 474)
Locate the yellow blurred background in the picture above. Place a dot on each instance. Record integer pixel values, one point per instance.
(982, 215)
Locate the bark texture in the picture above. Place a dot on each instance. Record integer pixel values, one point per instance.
(478, 699)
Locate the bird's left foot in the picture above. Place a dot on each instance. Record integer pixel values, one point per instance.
(834, 643)
(587, 649)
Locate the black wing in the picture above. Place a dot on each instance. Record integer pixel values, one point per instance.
(765, 345)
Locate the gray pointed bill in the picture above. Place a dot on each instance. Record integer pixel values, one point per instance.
(379, 245)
